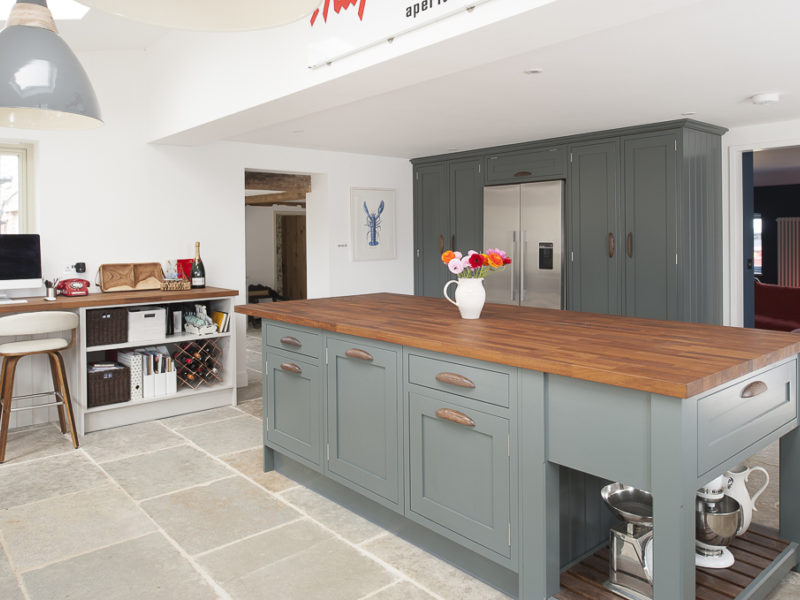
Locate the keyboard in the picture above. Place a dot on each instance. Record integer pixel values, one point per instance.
(12, 300)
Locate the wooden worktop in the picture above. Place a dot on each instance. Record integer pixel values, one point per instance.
(115, 298)
(664, 357)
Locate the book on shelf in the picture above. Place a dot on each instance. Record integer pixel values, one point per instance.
(221, 320)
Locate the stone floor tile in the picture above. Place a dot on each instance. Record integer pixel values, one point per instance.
(402, 590)
(63, 526)
(113, 444)
(40, 479)
(252, 391)
(330, 570)
(251, 464)
(9, 586)
(447, 581)
(349, 525)
(789, 588)
(254, 407)
(38, 441)
(237, 434)
(254, 377)
(238, 560)
(201, 418)
(768, 456)
(148, 567)
(253, 356)
(205, 517)
(164, 471)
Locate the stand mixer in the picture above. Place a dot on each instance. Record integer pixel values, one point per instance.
(717, 519)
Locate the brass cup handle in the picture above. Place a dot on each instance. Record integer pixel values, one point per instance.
(611, 245)
(448, 414)
(522, 174)
(754, 389)
(291, 341)
(358, 353)
(629, 244)
(455, 379)
(291, 367)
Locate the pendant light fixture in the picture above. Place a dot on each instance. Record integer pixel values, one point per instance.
(209, 15)
(42, 84)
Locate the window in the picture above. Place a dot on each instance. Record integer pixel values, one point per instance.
(757, 257)
(15, 204)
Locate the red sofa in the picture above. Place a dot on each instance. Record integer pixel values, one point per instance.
(777, 307)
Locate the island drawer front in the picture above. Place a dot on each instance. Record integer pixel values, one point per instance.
(478, 383)
(295, 340)
(728, 423)
(522, 165)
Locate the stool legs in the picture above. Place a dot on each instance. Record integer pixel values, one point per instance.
(65, 396)
(57, 390)
(6, 391)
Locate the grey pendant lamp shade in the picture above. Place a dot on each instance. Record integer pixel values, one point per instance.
(42, 84)
(209, 15)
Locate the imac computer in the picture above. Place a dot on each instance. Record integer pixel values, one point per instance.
(20, 266)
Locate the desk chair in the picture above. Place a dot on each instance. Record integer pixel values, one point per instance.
(36, 323)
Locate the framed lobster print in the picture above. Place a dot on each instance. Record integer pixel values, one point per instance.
(373, 224)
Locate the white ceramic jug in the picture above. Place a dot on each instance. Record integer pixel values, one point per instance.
(738, 490)
(470, 296)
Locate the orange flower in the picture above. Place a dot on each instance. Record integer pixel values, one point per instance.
(495, 260)
(448, 256)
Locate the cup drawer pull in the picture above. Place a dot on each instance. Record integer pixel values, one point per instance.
(291, 341)
(455, 379)
(291, 367)
(448, 414)
(357, 353)
(754, 389)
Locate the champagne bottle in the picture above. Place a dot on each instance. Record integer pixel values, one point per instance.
(198, 272)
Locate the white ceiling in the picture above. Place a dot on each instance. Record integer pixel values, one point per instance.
(704, 56)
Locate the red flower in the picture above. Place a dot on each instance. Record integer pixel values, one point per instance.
(476, 260)
(506, 260)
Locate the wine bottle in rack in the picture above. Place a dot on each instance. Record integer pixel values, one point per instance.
(198, 272)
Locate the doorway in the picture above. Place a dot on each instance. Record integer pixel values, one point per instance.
(290, 255)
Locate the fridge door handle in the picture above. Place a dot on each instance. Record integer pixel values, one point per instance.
(515, 254)
(523, 250)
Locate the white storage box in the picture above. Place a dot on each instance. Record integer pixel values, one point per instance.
(147, 323)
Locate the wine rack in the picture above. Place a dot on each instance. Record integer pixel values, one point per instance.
(198, 363)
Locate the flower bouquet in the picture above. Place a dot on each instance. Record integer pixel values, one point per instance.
(471, 269)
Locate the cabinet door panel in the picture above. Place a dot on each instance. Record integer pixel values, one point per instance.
(460, 474)
(651, 270)
(466, 193)
(594, 193)
(363, 427)
(432, 231)
(294, 407)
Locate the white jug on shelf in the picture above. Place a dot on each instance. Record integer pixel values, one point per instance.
(737, 478)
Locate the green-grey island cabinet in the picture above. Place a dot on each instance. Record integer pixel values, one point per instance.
(475, 430)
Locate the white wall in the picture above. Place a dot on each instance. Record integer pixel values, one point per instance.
(106, 195)
(260, 248)
(734, 143)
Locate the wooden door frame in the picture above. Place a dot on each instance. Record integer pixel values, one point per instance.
(276, 214)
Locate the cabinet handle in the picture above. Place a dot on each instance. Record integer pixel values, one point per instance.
(629, 244)
(441, 243)
(448, 414)
(291, 367)
(291, 341)
(357, 353)
(611, 245)
(453, 242)
(754, 389)
(522, 174)
(455, 379)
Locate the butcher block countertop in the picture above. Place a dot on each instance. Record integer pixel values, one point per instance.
(664, 357)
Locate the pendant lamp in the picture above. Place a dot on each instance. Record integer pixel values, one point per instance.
(209, 15)
(42, 84)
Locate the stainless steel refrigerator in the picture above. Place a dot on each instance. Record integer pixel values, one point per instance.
(526, 220)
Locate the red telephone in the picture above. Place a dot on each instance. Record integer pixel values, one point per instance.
(73, 287)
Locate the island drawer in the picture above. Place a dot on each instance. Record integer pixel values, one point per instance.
(460, 378)
(734, 418)
(296, 340)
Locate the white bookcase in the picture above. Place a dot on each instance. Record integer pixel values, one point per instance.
(183, 401)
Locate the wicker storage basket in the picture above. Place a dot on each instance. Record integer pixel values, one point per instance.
(106, 326)
(108, 386)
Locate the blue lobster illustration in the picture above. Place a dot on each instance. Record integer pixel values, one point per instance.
(373, 224)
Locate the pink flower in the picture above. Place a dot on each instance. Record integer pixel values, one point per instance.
(496, 251)
(458, 254)
(465, 263)
(455, 266)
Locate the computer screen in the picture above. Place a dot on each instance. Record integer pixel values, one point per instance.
(20, 262)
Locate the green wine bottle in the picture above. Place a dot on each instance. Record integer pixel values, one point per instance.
(198, 272)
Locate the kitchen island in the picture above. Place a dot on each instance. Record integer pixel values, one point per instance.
(465, 427)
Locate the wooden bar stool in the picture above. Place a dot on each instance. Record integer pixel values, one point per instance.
(36, 323)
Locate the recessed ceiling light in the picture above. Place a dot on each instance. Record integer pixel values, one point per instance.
(534, 71)
(688, 113)
(766, 98)
(298, 131)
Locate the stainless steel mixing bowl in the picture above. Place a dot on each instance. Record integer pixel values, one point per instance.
(716, 522)
(629, 503)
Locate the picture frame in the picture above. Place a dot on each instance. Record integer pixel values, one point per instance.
(373, 223)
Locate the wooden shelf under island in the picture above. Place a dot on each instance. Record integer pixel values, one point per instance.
(538, 396)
